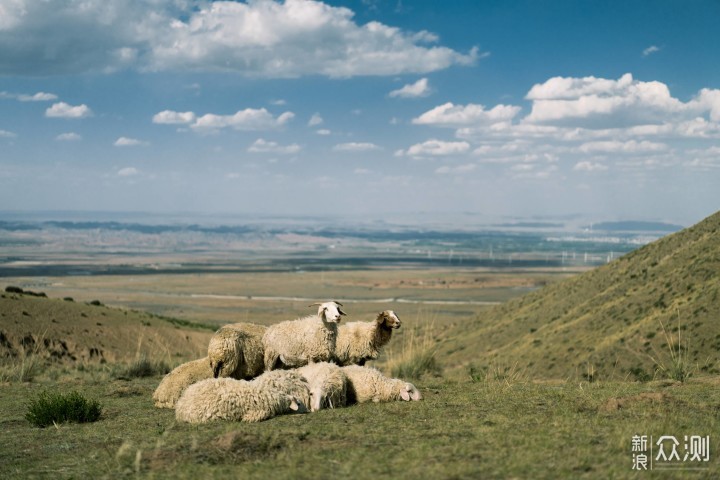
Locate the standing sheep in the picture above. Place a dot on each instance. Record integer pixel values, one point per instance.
(328, 385)
(359, 342)
(230, 399)
(310, 339)
(366, 384)
(236, 351)
(181, 377)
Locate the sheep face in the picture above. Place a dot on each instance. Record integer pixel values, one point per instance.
(330, 312)
(388, 319)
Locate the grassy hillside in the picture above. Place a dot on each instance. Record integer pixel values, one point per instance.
(65, 331)
(652, 312)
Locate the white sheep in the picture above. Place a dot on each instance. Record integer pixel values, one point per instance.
(181, 377)
(368, 384)
(328, 385)
(230, 399)
(236, 351)
(289, 382)
(310, 339)
(359, 342)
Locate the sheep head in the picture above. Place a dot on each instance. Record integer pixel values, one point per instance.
(388, 319)
(410, 392)
(330, 311)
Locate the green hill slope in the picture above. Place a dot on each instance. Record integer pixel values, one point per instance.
(615, 321)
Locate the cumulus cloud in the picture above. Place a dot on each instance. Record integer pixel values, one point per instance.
(650, 50)
(38, 97)
(6, 134)
(435, 148)
(586, 166)
(68, 137)
(263, 146)
(170, 117)
(456, 170)
(450, 115)
(421, 88)
(601, 103)
(323, 131)
(63, 110)
(128, 172)
(261, 38)
(315, 120)
(355, 147)
(248, 119)
(129, 142)
(631, 146)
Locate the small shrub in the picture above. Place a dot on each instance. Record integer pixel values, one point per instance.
(13, 289)
(96, 303)
(416, 356)
(143, 367)
(54, 408)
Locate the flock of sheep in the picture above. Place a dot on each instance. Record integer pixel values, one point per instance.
(253, 372)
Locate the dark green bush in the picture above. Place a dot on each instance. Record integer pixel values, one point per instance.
(49, 408)
(143, 367)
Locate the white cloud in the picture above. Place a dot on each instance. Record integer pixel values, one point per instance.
(315, 120)
(650, 50)
(435, 148)
(173, 118)
(355, 147)
(260, 38)
(263, 146)
(248, 119)
(6, 134)
(421, 88)
(457, 170)
(362, 171)
(451, 115)
(63, 110)
(38, 97)
(586, 166)
(278, 102)
(68, 137)
(129, 142)
(323, 131)
(600, 103)
(631, 146)
(128, 172)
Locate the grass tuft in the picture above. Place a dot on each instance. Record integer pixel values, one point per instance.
(54, 408)
(416, 355)
(143, 367)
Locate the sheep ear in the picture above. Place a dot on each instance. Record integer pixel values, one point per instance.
(216, 370)
(405, 395)
(341, 312)
(294, 405)
(338, 303)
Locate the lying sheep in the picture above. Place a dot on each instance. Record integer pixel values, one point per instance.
(289, 382)
(236, 351)
(310, 339)
(181, 377)
(328, 385)
(366, 384)
(230, 399)
(359, 342)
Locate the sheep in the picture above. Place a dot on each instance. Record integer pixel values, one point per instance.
(366, 384)
(358, 342)
(236, 351)
(181, 377)
(294, 343)
(230, 399)
(328, 385)
(289, 382)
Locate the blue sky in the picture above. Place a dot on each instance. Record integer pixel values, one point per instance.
(607, 110)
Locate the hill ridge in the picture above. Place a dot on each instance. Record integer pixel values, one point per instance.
(612, 320)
